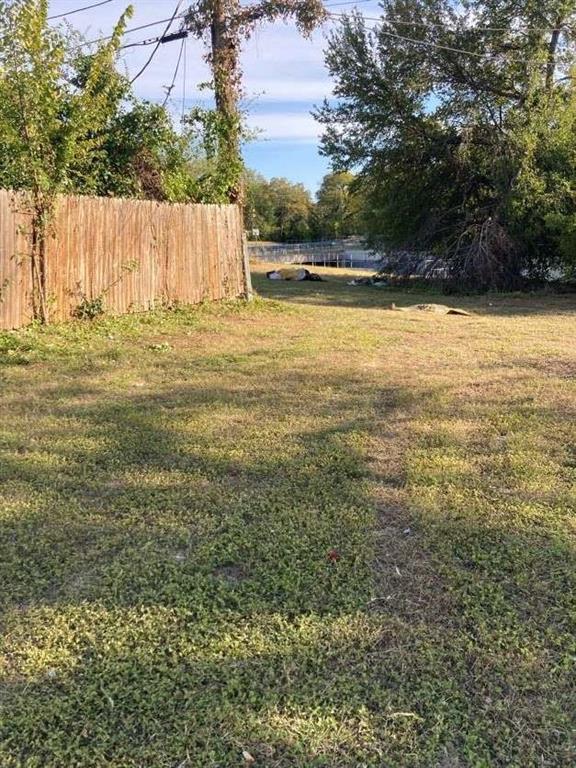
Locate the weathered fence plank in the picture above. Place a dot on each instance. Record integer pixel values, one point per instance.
(135, 254)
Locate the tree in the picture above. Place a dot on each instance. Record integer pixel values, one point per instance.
(258, 206)
(131, 149)
(49, 126)
(292, 206)
(543, 205)
(446, 109)
(228, 24)
(280, 209)
(143, 156)
(338, 206)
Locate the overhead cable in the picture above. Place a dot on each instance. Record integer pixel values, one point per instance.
(78, 10)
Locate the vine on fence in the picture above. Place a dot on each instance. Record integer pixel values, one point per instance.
(51, 128)
(89, 308)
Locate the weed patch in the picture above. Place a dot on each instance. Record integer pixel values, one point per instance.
(306, 529)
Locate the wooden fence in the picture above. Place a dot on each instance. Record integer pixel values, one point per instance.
(134, 254)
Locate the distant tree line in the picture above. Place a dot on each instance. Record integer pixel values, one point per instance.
(284, 211)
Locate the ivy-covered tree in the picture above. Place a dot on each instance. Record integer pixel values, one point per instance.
(451, 111)
(226, 24)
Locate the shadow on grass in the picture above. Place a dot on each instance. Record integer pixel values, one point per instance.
(336, 292)
(132, 470)
(170, 598)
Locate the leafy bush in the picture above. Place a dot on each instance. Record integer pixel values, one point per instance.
(89, 309)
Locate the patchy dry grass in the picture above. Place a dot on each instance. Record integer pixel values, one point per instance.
(172, 486)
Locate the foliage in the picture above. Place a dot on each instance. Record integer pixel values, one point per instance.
(338, 210)
(89, 309)
(543, 206)
(69, 123)
(220, 169)
(258, 205)
(49, 128)
(280, 209)
(173, 486)
(454, 145)
(48, 131)
(143, 156)
(227, 24)
(90, 134)
(284, 211)
(292, 206)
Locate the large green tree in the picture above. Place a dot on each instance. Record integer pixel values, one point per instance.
(338, 208)
(458, 117)
(292, 205)
(279, 209)
(258, 206)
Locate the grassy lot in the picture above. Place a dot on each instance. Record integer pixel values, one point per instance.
(308, 530)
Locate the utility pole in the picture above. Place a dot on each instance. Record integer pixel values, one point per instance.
(223, 58)
(228, 24)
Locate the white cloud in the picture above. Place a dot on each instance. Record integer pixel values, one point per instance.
(258, 91)
(295, 126)
(273, 89)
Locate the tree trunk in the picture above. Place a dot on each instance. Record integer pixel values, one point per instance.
(38, 264)
(227, 92)
(552, 48)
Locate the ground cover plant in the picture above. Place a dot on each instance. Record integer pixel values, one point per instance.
(301, 532)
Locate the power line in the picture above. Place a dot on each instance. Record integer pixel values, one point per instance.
(162, 39)
(138, 43)
(128, 31)
(78, 10)
(158, 44)
(449, 27)
(348, 2)
(157, 41)
(426, 43)
(151, 41)
(173, 83)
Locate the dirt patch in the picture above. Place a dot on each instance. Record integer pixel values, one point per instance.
(231, 574)
(554, 367)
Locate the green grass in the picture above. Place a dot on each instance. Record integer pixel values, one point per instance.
(172, 486)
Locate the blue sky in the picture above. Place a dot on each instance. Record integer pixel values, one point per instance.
(284, 78)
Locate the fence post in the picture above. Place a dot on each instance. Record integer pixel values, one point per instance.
(249, 294)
